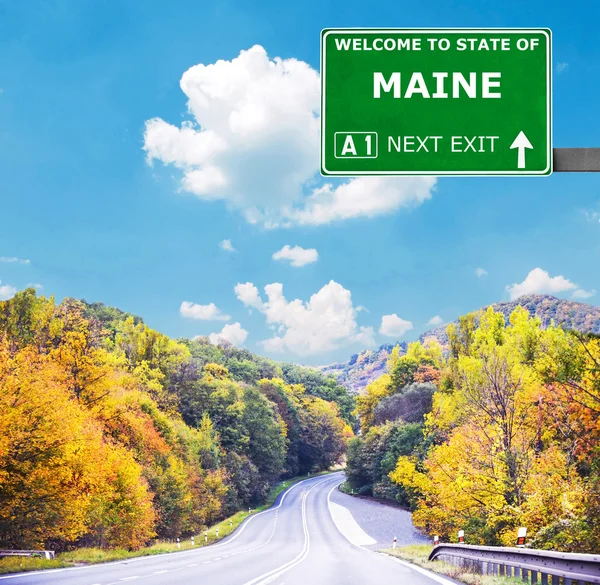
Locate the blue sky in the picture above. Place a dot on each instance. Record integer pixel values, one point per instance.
(79, 83)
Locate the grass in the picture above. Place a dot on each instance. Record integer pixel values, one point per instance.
(21, 564)
(82, 556)
(418, 554)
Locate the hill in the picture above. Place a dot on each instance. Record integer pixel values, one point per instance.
(112, 434)
(368, 365)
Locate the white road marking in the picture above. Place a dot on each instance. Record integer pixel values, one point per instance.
(129, 578)
(248, 520)
(160, 572)
(206, 562)
(278, 571)
(239, 530)
(192, 565)
(348, 526)
(429, 574)
(425, 572)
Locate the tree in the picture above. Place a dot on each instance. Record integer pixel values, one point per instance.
(410, 405)
(59, 479)
(323, 435)
(373, 457)
(502, 462)
(266, 436)
(375, 392)
(317, 384)
(112, 434)
(420, 363)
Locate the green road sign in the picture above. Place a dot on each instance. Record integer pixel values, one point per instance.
(436, 102)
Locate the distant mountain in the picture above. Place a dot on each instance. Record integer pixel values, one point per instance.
(363, 367)
(368, 365)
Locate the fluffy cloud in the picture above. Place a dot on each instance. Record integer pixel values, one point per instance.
(479, 272)
(435, 321)
(254, 143)
(539, 281)
(583, 294)
(234, 334)
(208, 312)
(364, 196)
(249, 295)
(227, 246)
(14, 260)
(561, 66)
(323, 323)
(394, 326)
(6, 291)
(297, 256)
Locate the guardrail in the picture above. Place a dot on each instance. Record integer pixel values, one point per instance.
(537, 566)
(47, 554)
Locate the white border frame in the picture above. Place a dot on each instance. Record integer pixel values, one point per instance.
(515, 30)
(355, 157)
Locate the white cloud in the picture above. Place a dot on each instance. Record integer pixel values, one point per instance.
(394, 326)
(583, 294)
(249, 295)
(592, 216)
(227, 246)
(6, 291)
(234, 334)
(539, 281)
(323, 323)
(479, 272)
(34, 285)
(364, 196)
(254, 143)
(561, 66)
(208, 312)
(297, 255)
(437, 320)
(14, 260)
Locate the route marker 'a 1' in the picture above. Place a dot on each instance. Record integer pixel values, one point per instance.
(436, 102)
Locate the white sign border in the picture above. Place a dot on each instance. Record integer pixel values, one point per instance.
(515, 30)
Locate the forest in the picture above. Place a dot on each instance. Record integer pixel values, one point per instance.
(498, 431)
(114, 435)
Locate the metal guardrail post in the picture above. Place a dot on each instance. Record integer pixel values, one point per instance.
(524, 564)
(48, 554)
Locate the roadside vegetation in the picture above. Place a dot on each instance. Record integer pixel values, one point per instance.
(419, 554)
(500, 431)
(116, 437)
(87, 555)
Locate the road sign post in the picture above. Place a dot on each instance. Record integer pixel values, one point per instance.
(436, 102)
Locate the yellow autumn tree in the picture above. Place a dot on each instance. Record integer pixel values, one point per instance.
(56, 469)
(499, 465)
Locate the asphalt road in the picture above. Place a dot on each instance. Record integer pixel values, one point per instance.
(382, 522)
(296, 542)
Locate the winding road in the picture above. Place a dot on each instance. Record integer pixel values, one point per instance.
(308, 536)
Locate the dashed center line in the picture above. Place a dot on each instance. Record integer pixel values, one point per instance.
(160, 572)
(193, 565)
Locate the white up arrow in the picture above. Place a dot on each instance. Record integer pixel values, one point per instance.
(521, 142)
